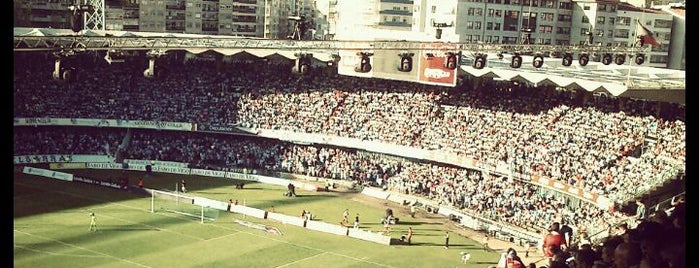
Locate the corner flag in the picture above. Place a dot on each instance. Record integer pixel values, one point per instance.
(645, 35)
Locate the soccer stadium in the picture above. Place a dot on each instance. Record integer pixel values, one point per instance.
(152, 150)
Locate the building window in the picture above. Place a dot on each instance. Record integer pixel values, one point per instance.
(545, 29)
(470, 11)
(585, 19)
(547, 16)
(586, 7)
(667, 36)
(600, 19)
(663, 24)
(601, 7)
(477, 25)
(509, 40)
(661, 48)
(469, 25)
(496, 39)
(583, 31)
(562, 30)
(479, 12)
(626, 21)
(562, 17)
(621, 33)
(491, 12)
(658, 59)
(489, 26)
(434, 9)
(612, 8)
(611, 21)
(496, 27)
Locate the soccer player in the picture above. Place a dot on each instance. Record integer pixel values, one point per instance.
(184, 186)
(356, 221)
(465, 256)
(345, 215)
(446, 240)
(93, 222)
(410, 234)
(140, 183)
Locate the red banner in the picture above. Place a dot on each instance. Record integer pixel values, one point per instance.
(431, 69)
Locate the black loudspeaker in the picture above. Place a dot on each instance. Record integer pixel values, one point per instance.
(516, 61)
(619, 59)
(606, 59)
(567, 59)
(583, 59)
(479, 62)
(538, 61)
(639, 59)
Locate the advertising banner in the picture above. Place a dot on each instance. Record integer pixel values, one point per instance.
(67, 165)
(431, 61)
(326, 227)
(208, 173)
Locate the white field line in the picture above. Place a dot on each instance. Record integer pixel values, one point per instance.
(304, 259)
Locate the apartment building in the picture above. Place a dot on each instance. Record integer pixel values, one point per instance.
(42, 13)
(557, 22)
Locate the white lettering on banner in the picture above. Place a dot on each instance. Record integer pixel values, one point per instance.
(136, 167)
(37, 121)
(44, 158)
(172, 170)
(161, 125)
(436, 73)
(209, 173)
(238, 176)
(156, 163)
(62, 176)
(104, 166)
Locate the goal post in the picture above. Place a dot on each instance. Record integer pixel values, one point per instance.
(163, 201)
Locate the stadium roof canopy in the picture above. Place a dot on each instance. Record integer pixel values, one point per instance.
(627, 80)
(199, 43)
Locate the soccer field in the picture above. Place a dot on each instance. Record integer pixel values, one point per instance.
(51, 222)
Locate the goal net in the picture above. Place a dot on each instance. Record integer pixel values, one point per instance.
(163, 201)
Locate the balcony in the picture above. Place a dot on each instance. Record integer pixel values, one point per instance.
(394, 24)
(396, 12)
(175, 7)
(410, 2)
(246, 1)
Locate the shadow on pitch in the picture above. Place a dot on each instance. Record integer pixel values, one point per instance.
(125, 228)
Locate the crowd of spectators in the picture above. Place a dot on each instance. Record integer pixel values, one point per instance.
(593, 144)
(656, 242)
(66, 140)
(496, 198)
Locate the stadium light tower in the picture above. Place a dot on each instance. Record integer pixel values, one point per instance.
(87, 14)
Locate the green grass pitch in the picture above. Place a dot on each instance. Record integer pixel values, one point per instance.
(51, 222)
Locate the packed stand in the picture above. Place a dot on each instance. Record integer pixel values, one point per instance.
(234, 152)
(66, 140)
(536, 131)
(496, 198)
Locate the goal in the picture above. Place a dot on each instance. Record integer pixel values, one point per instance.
(163, 201)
